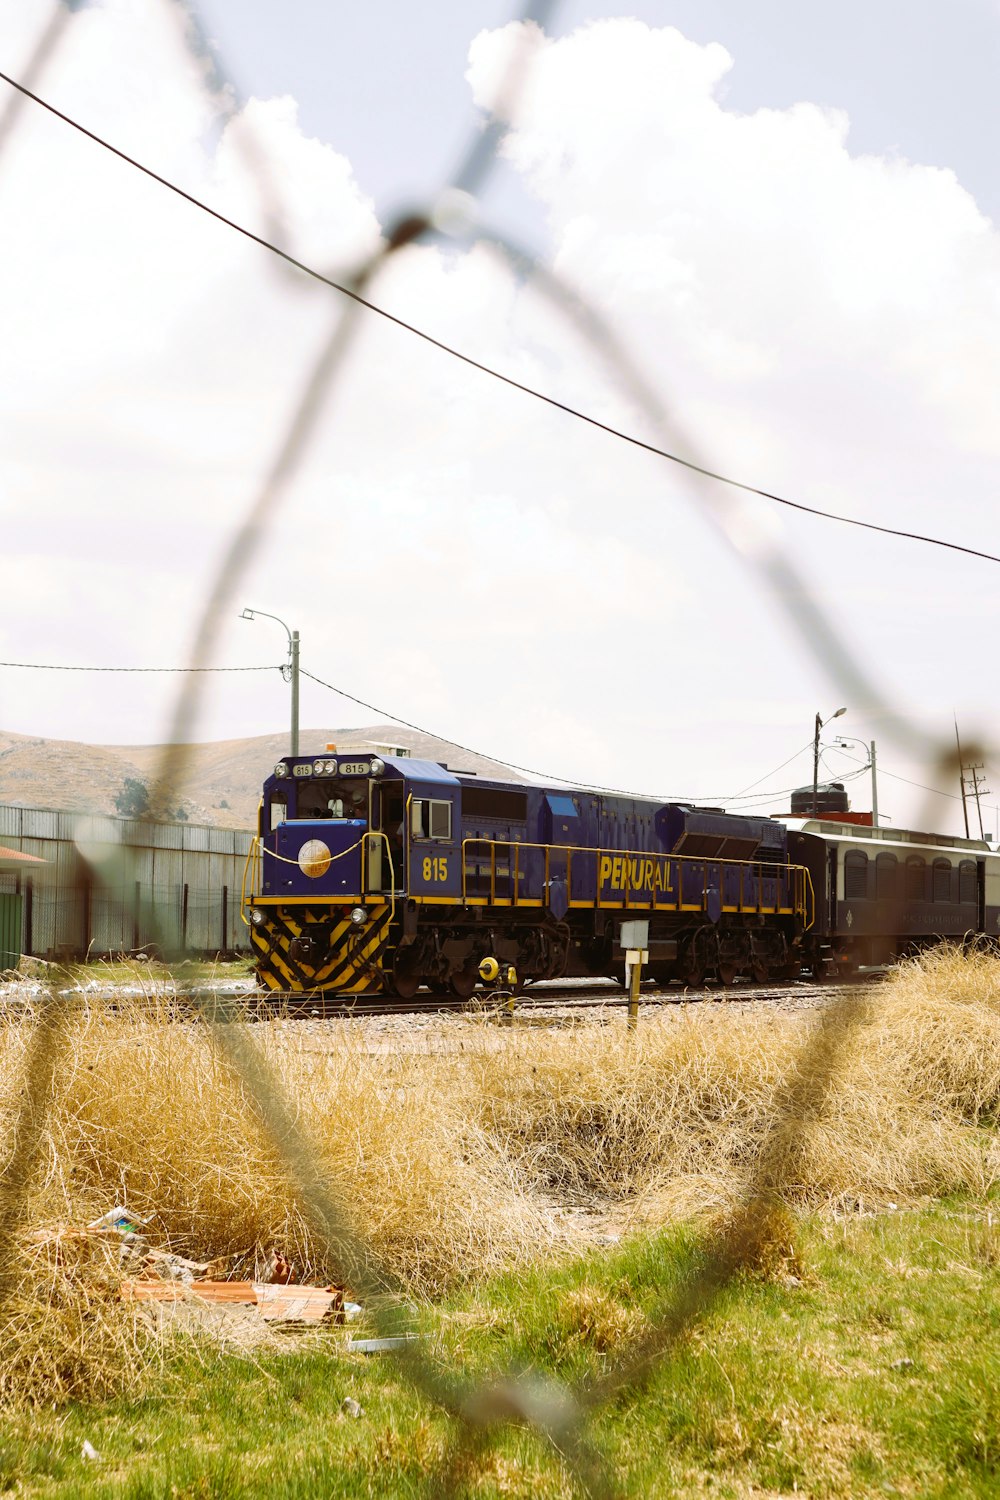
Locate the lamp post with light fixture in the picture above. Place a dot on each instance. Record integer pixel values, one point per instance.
(819, 725)
(850, 739)
(293, 667)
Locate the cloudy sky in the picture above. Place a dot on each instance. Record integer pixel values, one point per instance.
(787, 217)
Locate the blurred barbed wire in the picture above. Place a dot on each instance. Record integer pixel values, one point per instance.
(559, 1414)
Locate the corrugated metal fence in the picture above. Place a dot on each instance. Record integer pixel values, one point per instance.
(179, 884)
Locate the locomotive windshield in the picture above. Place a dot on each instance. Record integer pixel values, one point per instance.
(331, 797)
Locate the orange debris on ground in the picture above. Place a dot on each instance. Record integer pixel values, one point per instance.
(275, 1304)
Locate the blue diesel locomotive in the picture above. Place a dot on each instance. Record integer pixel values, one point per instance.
(375, 875)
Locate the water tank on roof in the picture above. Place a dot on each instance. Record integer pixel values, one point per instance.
(831, 798)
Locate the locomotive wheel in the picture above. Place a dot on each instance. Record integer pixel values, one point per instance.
(727, 974)
(694, 975)
(759, 971)
(405, 977)
(463, 982)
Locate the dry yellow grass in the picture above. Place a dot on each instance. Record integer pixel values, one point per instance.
(450, 1160)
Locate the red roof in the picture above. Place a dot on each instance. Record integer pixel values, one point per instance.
(10, 858)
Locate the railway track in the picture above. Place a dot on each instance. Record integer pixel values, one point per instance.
(552, 996)
(546, 996)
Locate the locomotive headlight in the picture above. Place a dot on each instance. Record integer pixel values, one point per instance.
(331, 768)
(358, 915)
(319, 766)
(378, 766)
(281, 769)
(256, 916)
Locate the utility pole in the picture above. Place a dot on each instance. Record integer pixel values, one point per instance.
(294, 653)
(819, 725)
(961, 778)
(874, 787)
(290, 673)
(972, 783)
(978, 789)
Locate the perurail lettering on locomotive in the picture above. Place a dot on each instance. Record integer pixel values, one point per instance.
(625, 873)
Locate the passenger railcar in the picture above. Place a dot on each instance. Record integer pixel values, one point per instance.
(883, 892)
(376, 875)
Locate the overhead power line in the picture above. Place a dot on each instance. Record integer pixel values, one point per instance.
(571, 411)
(591, 786)
(54, 666)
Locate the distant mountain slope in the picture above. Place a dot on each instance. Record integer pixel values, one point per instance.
(222, 780)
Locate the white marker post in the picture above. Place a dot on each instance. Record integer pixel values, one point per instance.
(635, 940)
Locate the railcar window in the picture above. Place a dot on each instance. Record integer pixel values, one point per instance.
(885, 877)
(942, 880)
(278, 811)
(967, 892)
(855, 876)
(915, 878)
(430, 819)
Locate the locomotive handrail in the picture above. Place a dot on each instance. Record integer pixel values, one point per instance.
(800, 893)
(811, 889)
(283, 859)
(378, 833)
(250, 865)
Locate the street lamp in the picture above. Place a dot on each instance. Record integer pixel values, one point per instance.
(819, 725)
(293, 660)
(870, 747)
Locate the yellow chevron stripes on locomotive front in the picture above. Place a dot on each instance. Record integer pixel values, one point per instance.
(348, 960)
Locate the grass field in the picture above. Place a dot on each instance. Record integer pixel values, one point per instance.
(877, 1374)
(483, 1165)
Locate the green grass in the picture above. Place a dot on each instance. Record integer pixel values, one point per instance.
(875, 1371)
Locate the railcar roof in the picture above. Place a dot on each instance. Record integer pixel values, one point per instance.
(888, 838)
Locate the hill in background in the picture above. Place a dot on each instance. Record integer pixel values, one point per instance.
(221, 782)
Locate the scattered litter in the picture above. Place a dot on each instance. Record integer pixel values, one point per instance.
(381, 1346)
(166, 1279)
(282, 1272)
(118, 1218)
(89, 1451)
(274, 1304)
(117, 1223)
(352, 1408)
(901, 1364)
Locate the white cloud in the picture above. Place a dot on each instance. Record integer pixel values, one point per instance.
(821, 324)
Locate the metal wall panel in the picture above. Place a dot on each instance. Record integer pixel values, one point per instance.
(68, 910)
(39, 823)
(10, 822)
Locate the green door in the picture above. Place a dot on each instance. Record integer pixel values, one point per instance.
(10, 931)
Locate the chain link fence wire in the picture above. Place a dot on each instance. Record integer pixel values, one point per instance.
(558, 1414)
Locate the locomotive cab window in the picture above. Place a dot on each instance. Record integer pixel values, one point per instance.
(277, 811)
(855, 876)
(430, 819)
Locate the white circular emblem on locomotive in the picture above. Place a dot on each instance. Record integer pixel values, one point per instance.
(314, 858)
